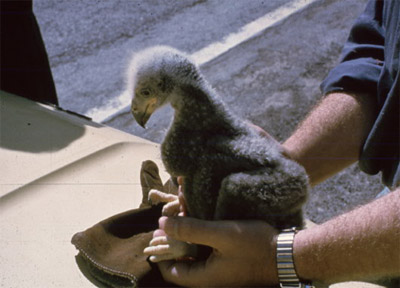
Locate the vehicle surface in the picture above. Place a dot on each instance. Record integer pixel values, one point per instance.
(60, 174)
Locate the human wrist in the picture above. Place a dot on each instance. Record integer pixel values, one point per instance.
(286, 267)
(300, 258)
(307, 257)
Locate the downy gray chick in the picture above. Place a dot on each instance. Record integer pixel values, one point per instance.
(230, 171)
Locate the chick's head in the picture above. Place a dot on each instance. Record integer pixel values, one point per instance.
(153, 77)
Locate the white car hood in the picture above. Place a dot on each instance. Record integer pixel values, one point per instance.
(60, 174)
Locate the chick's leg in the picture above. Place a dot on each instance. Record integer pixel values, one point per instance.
(172, 206)
(162, 247)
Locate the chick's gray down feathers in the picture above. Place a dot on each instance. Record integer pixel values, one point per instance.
(230, 171)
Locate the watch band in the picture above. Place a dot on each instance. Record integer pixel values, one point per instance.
(284, 260)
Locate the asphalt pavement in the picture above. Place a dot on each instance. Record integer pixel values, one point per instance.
(271, 79)
(90, 42)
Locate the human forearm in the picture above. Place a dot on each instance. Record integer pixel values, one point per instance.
(330, 137)
(360, 245)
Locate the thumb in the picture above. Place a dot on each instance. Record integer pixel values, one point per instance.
(215, 234)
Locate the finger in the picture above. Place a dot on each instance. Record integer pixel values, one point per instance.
(159, 258)
(159, 241)
(215, 234)
(181, 197)
(185, 273)
(157, 250)
(261, 131)
(156, 197)
(159, 233)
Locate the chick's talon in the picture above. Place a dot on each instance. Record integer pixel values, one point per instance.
(155, 197)
(172, 208)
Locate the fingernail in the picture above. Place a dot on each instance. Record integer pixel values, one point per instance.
(180, 180)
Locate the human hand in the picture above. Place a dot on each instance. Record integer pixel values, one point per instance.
(265, 134)
(243, 252)
(162, 247)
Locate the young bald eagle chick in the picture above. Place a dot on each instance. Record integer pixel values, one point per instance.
(229, 170)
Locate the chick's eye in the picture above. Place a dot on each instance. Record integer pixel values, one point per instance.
(145, 93)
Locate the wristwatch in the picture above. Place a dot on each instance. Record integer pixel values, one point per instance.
(284, 260)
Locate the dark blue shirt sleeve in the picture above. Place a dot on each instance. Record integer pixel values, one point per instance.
(362, 56)
(369, 67)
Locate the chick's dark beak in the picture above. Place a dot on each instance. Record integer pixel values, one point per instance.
(142, 111)
(141, 118)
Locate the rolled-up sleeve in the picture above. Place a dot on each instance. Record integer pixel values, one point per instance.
(362, 56)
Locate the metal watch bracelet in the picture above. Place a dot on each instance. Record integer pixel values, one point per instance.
(284, 260)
